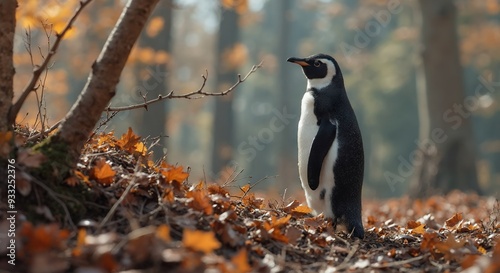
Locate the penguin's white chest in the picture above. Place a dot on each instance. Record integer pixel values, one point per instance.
(308, 128)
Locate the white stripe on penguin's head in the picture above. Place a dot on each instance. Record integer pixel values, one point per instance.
(323, 82)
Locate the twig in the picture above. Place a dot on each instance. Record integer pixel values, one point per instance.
(111, 212)
(191, 95)
(255, 184)
(345, 262)
(46, 132)
(39, 69)
(402, 262)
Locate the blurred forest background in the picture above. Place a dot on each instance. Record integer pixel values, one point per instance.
(386, 49)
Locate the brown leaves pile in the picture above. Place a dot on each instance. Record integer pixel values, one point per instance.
(155, 220)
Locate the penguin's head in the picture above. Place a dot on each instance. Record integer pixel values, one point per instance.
(320, 70)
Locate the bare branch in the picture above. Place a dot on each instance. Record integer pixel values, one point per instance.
(39, 69)
(44, 133)
(199, 93)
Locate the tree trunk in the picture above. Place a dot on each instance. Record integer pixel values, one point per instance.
(287, 160)
(445, 158)
(7, 29)
(227, 72)
(99, 89)
(154, 119)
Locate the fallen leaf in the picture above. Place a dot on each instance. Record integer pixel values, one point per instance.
(128, 141)
(103, 172)
(302, 209)
(203, 241)
(451, 222)
(240, 262)
(293, 234)
(200, 202)
(172, 173)
(163, 232)
(245, 188)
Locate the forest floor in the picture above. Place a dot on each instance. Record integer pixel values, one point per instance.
(153, 220)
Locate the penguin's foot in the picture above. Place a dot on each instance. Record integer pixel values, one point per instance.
(353, 228)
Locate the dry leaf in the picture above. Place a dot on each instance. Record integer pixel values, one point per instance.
(128, 141)
(302, 209)
(240, 262)
(203, 241)
(103, 172)
(172, 173)
(163, 232)
(200, 202)
(451, 222)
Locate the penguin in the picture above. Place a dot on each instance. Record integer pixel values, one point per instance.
(330, 147)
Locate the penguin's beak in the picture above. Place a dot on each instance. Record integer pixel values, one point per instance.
(299, 61)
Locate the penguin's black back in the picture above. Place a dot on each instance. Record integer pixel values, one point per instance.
(349, 167)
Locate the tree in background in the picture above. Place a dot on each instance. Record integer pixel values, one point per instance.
(229, 54)
(7, 29)
(151, 73)
(445, 158)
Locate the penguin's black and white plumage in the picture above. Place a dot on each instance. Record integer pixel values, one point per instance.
(331, 158)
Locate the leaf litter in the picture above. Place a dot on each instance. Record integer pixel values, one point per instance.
(155, 220)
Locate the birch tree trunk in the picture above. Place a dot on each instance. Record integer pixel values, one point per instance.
(7, 29)
(446, 154)
(99, 89)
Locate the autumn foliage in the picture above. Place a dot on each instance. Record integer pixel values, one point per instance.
(153, 218)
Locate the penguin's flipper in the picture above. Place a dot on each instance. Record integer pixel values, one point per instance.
(320, 147)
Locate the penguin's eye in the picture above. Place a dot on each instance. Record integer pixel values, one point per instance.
(317, 63)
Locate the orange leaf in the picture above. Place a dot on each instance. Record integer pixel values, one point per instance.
(245, 188)
(251, 201)
(240, 261)
(200, 241)
(103, 172)
(43, 238)
(200, 201)
(141, 149)
(128, 141)
(172, 173)
(163, 232)
(169, 196)
(292, 205)
(217, 189)
(418, 230)
(80, 242)
(108, 262)
(82, 177)
(302, 209)
(280, 222)
(451, 222)
(429, 240)
(412, 224)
